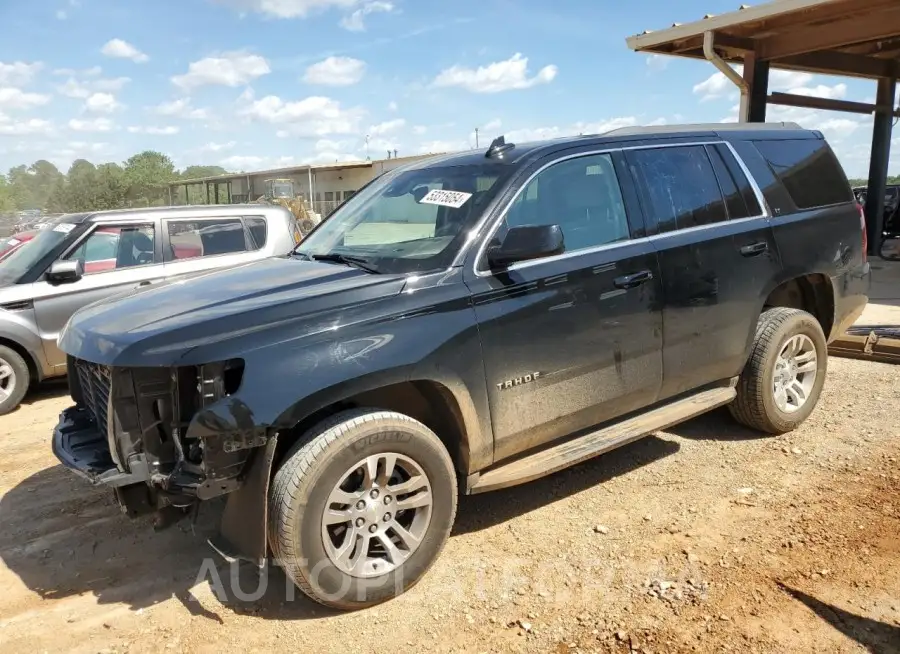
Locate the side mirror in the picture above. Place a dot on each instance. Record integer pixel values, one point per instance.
(525, 243)
(65, 272)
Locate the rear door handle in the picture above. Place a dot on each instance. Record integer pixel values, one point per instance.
(754, 249)
(633, 281)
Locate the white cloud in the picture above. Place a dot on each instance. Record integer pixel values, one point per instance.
(657, 62)
(419, 129)
(27, 127)
(581, 127)
(312, 116)
(91, 125)
(495, 77)
(217, 147)
(392, 106)
(492, 125)
(168, 130)
(719, 86)
(436, 147)
(288, 8)
(81, 90)
(387, 127)
(61, 14)
(86, 72)
(181, 108)
(336, 71)
(13, 98)
(78, 149)
(101, 103)
(240, 162)
(120, 49)
(355, 21)
(821, 91)
(19, 72)
(227, 69)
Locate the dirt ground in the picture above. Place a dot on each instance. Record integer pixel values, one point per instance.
(704, 538)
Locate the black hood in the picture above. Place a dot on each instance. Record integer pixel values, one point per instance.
(160, 324)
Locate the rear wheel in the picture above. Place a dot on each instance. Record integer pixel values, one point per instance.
(362, 507)
(14, 379)
(781, 383)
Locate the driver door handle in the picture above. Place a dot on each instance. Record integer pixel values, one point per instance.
(634, 280)
(754, 249)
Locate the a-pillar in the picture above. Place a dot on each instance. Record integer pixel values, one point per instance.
(756, 74)
(878, 163)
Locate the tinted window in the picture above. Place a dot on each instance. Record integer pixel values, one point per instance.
(739, 178)
(257, 227)
(205, 238)
(809, 171)
(581, 195)
(735, 204)
(679, 187)
(112, 247)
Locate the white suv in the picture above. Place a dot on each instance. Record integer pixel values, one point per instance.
(81, 258)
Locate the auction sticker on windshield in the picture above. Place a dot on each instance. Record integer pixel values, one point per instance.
(65, 228)
(454, 199)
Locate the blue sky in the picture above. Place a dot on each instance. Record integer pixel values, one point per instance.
(251, 84)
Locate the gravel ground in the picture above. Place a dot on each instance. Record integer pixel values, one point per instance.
(703, 538)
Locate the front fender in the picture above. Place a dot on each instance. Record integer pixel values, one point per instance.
(18, 327)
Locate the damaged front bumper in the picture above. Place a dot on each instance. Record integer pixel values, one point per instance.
(159, 437)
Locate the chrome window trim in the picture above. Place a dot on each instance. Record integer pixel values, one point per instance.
(480, 253)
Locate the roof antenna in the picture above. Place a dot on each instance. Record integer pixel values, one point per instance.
(498, 148)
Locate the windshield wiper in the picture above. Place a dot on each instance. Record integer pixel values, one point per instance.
(346, 259)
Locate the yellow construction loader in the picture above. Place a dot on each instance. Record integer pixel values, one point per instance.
(281, 192)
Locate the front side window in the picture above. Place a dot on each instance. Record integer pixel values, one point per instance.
(679, 187)
(112, 247)
(409, 220)
(580, 195)
(189, 239)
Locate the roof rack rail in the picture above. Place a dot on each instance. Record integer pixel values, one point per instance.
(700, 127)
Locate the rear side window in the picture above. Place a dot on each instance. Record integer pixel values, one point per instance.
(808, 170)
(257, 228)
(190, 239)
(679, 187)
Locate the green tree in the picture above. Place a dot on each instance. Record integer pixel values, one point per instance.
(146, 176)
(7, 200)
(196, 193)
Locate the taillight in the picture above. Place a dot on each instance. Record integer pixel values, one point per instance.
(865, 234)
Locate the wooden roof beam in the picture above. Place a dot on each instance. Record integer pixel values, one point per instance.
(812, 102)
(883, 24)
(839, 63)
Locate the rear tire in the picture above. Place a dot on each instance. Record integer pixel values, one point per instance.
(15, 379)
(350, 538)
(782, 381)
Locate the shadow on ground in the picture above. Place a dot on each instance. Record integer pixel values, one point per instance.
(875, 636)
(46, 390)
(63, 538)
(716, 425)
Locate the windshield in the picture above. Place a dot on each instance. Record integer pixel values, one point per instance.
(24, 258)
(409, 221)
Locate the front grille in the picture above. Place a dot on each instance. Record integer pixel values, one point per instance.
(96, 383)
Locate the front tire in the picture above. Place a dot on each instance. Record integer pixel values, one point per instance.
(361, 507)
(782, 381)
(14, 379)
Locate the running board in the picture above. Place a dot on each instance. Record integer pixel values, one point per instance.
(597, 442)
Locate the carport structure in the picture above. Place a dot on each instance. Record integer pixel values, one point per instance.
(856, 38)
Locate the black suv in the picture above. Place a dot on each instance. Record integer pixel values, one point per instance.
(468, 323)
